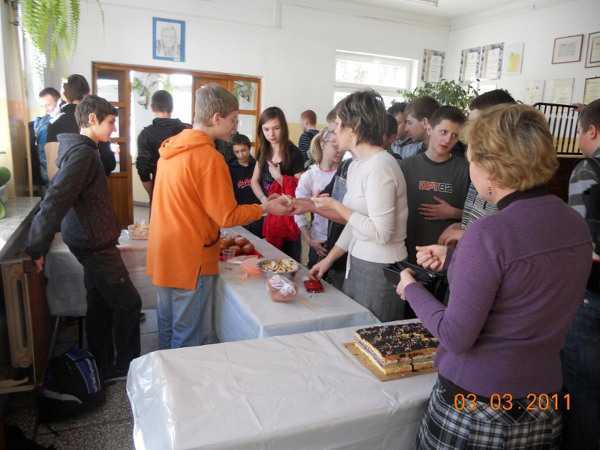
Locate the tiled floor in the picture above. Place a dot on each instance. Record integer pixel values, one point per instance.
(110, 427)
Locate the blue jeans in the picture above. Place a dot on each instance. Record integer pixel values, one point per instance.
(186, 317)
(581, 371)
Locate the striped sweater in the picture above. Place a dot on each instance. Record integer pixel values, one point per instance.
(583, 177)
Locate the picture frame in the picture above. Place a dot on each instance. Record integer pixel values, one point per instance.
(567, 49)
(168, 39)
(591, 91)
(560, 91)
(491, 61)
(470, 65)
(433, 66)
(246, 93)
(592, 58)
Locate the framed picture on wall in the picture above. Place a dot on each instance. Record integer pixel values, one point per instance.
(591, 91)
(245, 91)
(592, 58)
(513, 58)
(433, 66)
(491, 61)
(567, 49)
(168, 39)
(470, 65)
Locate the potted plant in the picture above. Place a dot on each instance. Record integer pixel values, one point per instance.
(447, 92)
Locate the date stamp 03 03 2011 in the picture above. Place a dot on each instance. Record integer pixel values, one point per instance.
(505, 402)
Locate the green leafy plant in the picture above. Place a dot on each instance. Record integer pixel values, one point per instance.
(446, 92)
(52, 25)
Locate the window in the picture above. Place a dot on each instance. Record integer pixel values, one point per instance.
(385, 74)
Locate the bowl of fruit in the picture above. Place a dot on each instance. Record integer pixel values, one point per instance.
(235, 245)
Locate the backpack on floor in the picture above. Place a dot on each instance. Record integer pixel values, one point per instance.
(71, 386)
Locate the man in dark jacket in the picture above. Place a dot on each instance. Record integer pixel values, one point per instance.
(74, 90)
(79, 204)
(152, 136)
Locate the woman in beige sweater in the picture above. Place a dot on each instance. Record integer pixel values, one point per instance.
(374, 207)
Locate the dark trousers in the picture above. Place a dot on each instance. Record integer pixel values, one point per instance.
(581, 372)
(293, 249)
(255, 228)
(113, 309)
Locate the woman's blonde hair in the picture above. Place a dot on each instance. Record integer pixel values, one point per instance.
(317, 144)
(514, 145)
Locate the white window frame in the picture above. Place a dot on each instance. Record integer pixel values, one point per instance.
(385, 91)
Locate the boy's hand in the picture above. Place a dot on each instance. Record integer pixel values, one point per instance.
(39, 264)
(280, 206)
(303, 206)
(439, 211)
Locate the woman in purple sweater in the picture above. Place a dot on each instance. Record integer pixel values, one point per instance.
(516, 279)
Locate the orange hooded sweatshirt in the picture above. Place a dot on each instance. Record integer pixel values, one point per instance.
(193, 198)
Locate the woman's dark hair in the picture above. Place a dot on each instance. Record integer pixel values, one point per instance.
(76, 88)
(263, 148)
(364, 112)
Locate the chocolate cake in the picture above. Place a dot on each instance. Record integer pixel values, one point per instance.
(398, 348)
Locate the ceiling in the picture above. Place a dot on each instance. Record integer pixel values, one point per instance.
(445, 8)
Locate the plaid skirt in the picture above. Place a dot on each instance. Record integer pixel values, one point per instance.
(445, 428)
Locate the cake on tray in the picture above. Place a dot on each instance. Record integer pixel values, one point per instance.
(398, 348)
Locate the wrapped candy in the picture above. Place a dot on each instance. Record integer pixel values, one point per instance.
(281, 288)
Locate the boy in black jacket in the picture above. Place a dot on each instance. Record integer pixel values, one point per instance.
(241, 169)
(151, 138)
(79, 204)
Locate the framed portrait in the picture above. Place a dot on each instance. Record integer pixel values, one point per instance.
(592, 58)
(168, 39)
(567, 49)
(246, 93)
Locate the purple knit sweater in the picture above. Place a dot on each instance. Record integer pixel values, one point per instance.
(516, 279)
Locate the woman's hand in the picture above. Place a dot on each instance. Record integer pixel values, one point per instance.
(319, 248)
(325, 202)
(432, 257)
(320, 269)
(275, 171)
(406, 279)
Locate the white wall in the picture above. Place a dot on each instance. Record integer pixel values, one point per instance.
(537, 28)
(290, 45)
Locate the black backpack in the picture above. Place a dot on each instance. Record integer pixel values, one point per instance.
(591, 200)
(71, 386)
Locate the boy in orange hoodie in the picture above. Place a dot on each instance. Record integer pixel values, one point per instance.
(193, 198)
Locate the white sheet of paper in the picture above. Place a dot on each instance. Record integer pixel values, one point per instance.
(435, 69)
(592, 90)
(534, 92)
(492, 60)
(560, 91)
(471, 66)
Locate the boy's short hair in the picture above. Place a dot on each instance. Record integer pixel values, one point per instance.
(76, 88)
(590, 115)
(213, 99)
(309, 115)
(364, 112)
(451, 113)
(491, 98)
(49, 91)
(396, 108)
(93, 104)
(331, 116)
(422, 107)
(241, 139)
(391, 128)
(162, 101)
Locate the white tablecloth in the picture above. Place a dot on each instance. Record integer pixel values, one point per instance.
(66, 291)
(244, 309)
(298, 392)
